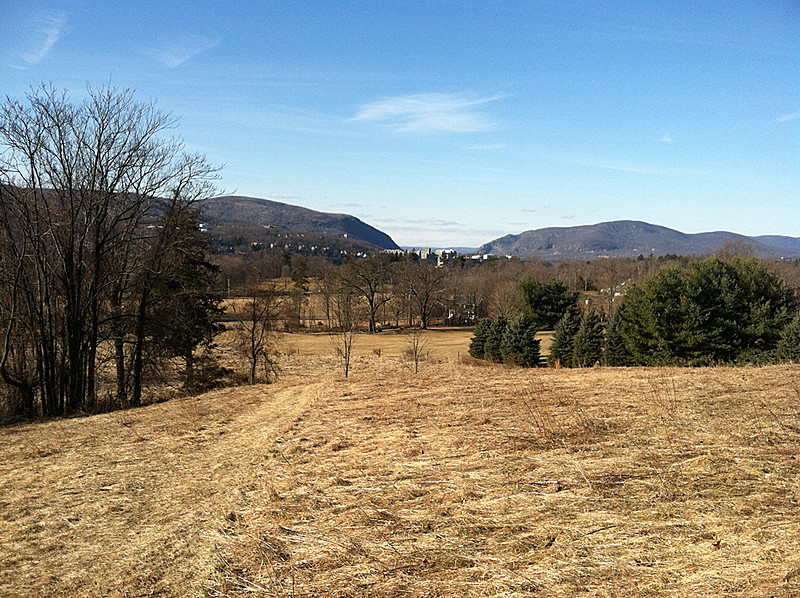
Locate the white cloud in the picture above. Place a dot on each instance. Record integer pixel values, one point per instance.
(424, 224)
(178, 50)
(451, 113)
(435, 222)
(47, 29)
(787, 117)
(666, 138)
(274, 195)
(490, 146)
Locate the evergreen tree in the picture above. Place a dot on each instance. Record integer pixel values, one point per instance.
(478, 341)
(520, 345)
(546, 303)
(563, 337)
(712, 310)
(492, 347)
(587, 344)
(789, 344)
(186, 303)
(614, 351)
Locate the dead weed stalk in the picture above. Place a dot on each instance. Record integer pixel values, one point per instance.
(557, 417)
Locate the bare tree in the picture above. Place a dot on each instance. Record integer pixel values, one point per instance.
(257, 315)
(425, 284)
(88, 191)
(327, 276)
(369, 277)
(416, 348)
(348, 317)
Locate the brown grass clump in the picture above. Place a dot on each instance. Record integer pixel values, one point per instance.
(458, 481)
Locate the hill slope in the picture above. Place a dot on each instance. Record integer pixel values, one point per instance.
(234, 209)
(457, 482)
(628, 238)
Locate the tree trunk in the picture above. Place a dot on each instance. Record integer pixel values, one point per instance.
(189, 359)
(138, 351)
(119, 363)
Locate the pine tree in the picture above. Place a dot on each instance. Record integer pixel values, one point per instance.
(520, 345)
(614, 352)
(492, 348)
(710, 311)
(789, 345)
(546, 303)
(478, 342)
(563, 337)
(587, 344)
(186, 303)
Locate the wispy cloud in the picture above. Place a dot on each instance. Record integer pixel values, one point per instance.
(46, 31)
(666, 138)
(274, 195)
(531, 210)
(487, 147)
(423, 225)
(429, 112)
(178, 50)
(787, 117)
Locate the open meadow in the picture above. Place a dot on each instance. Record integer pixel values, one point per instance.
(439, 343)
(463, 480)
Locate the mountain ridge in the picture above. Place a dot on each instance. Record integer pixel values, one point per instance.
(630, 238)
(255, 211)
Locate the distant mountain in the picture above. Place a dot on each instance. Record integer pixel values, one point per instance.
(252, 211)
(789, 243)
(628, 238)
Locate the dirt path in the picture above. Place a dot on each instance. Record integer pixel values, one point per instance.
(126, 503)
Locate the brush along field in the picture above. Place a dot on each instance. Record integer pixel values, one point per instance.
(458, 481)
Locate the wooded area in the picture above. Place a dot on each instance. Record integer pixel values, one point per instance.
(99, 249)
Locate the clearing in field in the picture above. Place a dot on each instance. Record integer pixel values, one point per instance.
(459, 481)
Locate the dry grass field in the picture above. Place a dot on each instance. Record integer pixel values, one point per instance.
(440, 343)
(462, 480)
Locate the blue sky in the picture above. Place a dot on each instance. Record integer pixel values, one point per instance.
(453, 123)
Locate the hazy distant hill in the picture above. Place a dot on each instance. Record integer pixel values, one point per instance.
(252, 211)
(627, 238)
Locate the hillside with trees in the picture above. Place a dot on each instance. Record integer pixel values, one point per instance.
(628, 238)
(221, 213)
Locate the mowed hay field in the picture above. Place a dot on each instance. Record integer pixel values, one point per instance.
(458, 481)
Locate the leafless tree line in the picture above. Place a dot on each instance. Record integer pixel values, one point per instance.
(98, 248)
